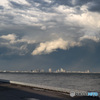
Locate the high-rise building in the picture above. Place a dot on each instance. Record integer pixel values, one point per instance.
(62, 70)
(50, 70)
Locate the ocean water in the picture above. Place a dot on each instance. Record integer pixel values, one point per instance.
(74, 81)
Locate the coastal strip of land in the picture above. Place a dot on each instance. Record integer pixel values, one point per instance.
(12, 91)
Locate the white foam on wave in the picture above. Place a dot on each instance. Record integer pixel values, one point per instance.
(46, 87)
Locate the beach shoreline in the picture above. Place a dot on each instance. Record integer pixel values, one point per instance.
(22, 92)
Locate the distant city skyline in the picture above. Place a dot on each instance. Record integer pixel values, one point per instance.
(43, 34)
(61, 70)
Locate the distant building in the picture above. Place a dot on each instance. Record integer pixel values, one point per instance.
(57, 70)
(62, 70)
(50, 70)
(42, 70)
(87, 71)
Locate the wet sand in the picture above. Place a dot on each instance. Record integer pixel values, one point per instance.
(16, 92)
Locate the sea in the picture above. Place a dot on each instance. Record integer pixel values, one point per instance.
(72, 81)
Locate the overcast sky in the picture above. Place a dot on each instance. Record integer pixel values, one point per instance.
(42, 34)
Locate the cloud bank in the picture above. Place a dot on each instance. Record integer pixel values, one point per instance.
(51, 25)
(15, 45)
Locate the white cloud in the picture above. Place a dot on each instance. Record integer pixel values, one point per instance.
(94, 38)
(48, 47)
(28, 41)
(13, 39)
(32, 16)
(10, 37)
(64, 9)
(48, 1)
(4, 3)
(84, 19)
(88, 19)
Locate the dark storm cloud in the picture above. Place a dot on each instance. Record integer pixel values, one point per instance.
(72, 3)
(95, 6)
(1, 7)
(19, 6)
(3, 50)
(83, 2)
(12, 44)
(77, 58)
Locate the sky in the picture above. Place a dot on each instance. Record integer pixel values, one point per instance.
(42, 34)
